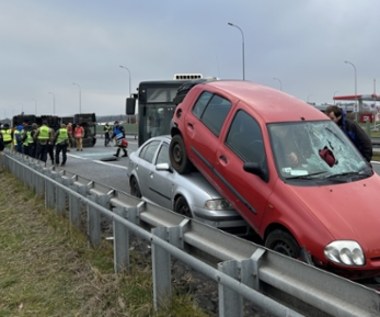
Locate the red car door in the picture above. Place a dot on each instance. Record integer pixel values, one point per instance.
(243, 143)
(203, 128)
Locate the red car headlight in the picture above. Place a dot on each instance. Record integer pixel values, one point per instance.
(345, 252)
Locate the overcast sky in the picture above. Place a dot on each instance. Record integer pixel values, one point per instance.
(47, 45)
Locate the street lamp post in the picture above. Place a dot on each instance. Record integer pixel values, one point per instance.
(280, 82)
(242, 45)
(80, 97)
(129, 77)
(356, 86)
(53, 101)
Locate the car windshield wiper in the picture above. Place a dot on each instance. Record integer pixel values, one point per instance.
(350, 175)
(307, 176)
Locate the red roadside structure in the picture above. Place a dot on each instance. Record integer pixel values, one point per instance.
(368, 109)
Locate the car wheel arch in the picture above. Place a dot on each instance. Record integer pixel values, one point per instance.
(181, 198)
(133, 181)
(276, 229)
(174, 131)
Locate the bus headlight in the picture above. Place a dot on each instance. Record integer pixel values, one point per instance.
(345, 252)
(218, 204)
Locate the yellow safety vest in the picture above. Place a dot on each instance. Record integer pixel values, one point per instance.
(44, 133)
(29, 138)
(7, 135)
(62, 135)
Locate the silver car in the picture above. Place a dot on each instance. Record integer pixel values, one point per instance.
(152, 178)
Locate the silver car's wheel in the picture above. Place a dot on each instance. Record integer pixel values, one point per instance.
(178, 156)
(135, 188)
(182, 207)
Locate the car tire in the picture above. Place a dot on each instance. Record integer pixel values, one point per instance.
(283, 242)
(178, 156)
(182, 207)
(134, 187)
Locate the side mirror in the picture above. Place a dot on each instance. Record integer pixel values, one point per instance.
(163, 167)
(130, 106)
(256, 169)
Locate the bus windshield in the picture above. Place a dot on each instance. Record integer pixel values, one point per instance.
(156, 108)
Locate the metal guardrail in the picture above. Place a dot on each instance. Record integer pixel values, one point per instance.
(274, 283)
(375, 141)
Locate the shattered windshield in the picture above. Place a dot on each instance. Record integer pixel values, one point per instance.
(316, 150)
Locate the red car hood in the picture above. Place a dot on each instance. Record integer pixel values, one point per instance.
(348, 211)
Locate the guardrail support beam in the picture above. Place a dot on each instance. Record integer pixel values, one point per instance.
(161, 267)
(250, 269)
(230, 302)
(121, 242)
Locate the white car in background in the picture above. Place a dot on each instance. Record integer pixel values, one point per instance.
(152, 178)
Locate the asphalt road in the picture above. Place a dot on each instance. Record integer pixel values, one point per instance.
(98, 164)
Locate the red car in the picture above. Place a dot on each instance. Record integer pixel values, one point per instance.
(287, 168)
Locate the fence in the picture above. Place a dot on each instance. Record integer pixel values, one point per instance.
(276, 284)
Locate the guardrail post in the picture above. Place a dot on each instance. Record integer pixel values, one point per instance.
(176, 234)
(121, 242)
(250, 269)
(52, 190)
(161, 267)
(74, 210)
(93, 228)
(94, 222)
(40, 186)
(230, 302)
(62, 196)
(28, 174)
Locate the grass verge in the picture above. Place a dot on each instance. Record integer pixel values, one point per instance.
(48, 269)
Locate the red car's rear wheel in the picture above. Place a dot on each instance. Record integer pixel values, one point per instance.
(178, 156)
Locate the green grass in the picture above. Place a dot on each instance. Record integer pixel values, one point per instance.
(48, 269)
(130, 128)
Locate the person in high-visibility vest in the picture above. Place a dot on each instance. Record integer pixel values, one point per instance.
(7, 136)
(28, 142)
(1, 139)
(42, 137)
(61, 141)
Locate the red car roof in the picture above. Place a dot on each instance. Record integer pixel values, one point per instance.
(271, 104)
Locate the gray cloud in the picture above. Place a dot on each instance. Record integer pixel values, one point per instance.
(48, 45)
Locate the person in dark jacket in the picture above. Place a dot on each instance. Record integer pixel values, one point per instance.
(119, 135)
(354, 132)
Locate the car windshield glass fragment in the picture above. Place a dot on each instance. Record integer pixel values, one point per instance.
(314, 150)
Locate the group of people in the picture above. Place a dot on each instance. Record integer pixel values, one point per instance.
(42, 141)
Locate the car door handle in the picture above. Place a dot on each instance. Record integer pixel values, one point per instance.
(223, 159)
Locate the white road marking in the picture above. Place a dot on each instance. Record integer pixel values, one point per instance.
(110, 164)
(98, 161)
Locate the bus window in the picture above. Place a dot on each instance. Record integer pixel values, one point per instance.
(156, 107)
